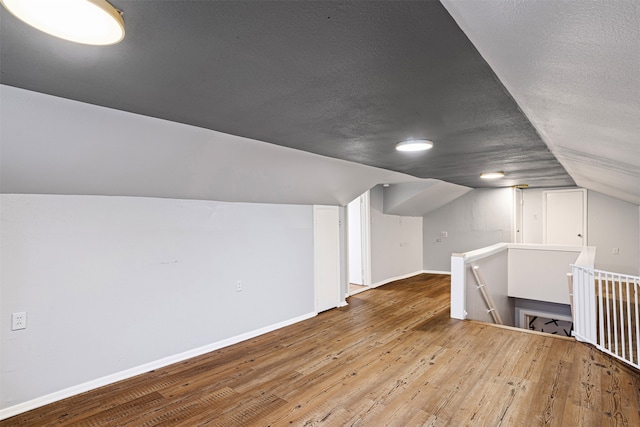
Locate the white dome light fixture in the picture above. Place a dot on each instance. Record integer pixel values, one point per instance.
(93, 22)
(492, 175)
(414, 145)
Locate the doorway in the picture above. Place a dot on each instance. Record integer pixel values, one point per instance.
(358, 244)
(565, 217)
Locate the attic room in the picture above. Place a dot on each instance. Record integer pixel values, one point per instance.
(160, 196)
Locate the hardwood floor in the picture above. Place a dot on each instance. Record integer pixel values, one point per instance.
(391, 357)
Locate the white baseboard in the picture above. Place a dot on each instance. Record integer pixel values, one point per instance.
(141, 369)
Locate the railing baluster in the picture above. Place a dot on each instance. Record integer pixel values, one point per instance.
(577, 295)
(601, 310)
(577, 289)
(608, 302)
(574, 287)
(636, 282)
(629, 336)
(614, 303)
(591, 313)
(621, 302)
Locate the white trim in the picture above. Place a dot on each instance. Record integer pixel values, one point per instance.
(365, 222)
(458, 303)
(141, 369)
(477, 254)
(393, 279)
(543, 247)
(436, 272)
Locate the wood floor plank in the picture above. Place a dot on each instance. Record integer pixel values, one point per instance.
(392, 357)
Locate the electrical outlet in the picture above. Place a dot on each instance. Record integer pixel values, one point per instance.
(238, 285)
(19, 320)
(444, 234)
(616, 251)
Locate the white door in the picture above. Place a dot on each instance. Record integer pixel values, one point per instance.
(326, 247)
(565, 217)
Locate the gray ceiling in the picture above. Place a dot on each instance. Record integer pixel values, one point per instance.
(342, 79)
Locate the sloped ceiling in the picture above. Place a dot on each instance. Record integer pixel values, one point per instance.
(574, 69)
(346, 80)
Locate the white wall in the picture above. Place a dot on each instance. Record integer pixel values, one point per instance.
(480, 218)
(396, 242)
(540, 273)
(611, 223)
(111, 283)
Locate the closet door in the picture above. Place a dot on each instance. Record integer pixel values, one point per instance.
(326, 245)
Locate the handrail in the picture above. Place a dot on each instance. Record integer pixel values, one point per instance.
(484, 291)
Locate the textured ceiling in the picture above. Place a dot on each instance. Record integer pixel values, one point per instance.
(342, 79)
(574, 69)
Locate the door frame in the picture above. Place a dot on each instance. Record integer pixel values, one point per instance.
(365, 222)
(364, 243)
(585, 240)
(518, 216)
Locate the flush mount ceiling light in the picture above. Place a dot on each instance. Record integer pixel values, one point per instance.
(94, 22)
(492, 175)
(414, 145)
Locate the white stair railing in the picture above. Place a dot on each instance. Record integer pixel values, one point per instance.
(606, 312)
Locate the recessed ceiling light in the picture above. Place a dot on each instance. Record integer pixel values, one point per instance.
(94, 22)
(414, 145)
(492, 175)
